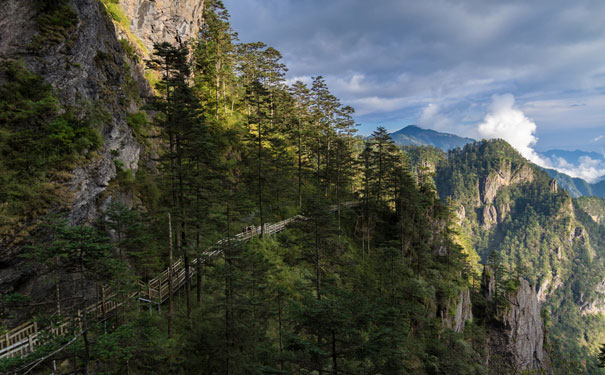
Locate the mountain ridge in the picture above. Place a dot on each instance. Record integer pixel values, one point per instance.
(413, 135)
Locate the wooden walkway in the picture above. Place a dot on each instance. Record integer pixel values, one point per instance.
(22, 340)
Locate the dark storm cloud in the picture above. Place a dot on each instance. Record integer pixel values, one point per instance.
(411, 59)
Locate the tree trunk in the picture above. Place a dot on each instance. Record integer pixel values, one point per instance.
(198, 266)
(281, 340)
(334, 362)
(170, 290)
(228, 294)
(260, 169)
(317, 262)
(299, 167)
(187, 286)
(84, 320)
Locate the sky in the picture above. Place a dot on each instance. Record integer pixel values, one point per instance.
(451, 66)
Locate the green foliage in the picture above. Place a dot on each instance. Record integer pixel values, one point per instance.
(130, 50)
(139, 123)
(366, 289)
(116, 13)
(540, 235)
(56, 21)
(38, 144)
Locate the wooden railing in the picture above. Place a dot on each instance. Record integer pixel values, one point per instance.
(21, 340)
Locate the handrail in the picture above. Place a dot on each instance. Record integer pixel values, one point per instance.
(21, 340)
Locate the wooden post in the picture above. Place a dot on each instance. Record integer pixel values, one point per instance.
(150, 298)
(79, 318)
(103, 308)
(170, 291)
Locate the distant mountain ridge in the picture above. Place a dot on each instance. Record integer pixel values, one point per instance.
(413, 135)
(578, 187)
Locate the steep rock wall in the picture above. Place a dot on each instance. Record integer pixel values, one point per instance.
(157, 21)
(87, 70)
(516, 340)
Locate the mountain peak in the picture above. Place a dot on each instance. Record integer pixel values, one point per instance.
(413, 135)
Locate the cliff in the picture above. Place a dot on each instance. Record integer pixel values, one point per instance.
(157, 21)
(517, 335)
(520, 219)
(82, 50)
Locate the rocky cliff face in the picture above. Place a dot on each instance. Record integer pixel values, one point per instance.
(87, 71)
(463, 313)
(516, 342)
(507, 207)
(487, 188)
(157, 21)
(504, 176)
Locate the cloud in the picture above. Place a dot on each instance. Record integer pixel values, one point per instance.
(587, 169)
(599, 138)
(507, 122)
(395, 57)
(435, 116)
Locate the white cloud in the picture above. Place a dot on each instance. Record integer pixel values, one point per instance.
(307, 80)
(588, 169)
(432, 117)
(507, 122)
(374, 104)
(599, 138)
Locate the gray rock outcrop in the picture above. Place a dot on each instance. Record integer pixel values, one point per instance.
(87, 71)
(490, 216)
(157, 21)
(505, 176)
(518, 343)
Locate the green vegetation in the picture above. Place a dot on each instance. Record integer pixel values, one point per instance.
(119, 16)
(372, 287)
(539, 234)
(56, 21)
(38, 146)
(364, 289)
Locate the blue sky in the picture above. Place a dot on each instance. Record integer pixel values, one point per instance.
(442, 64)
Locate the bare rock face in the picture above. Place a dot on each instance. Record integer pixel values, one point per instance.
(490, 216)
(460, 214)
(464, 311)
(554, 187)
(492, 183)
(457, 320)
(488, 283)
(518, 344)
(157, 21)
(88, 74)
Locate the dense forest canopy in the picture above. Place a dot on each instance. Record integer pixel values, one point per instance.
(374, 273)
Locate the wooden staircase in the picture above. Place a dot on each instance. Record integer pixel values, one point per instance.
(23, 339)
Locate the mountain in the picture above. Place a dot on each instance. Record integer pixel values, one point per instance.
(518, 220)
(413, 135)
(107, 184)
(578, 187)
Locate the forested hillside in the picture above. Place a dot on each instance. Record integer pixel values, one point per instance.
(521, 222)
(126, 168)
